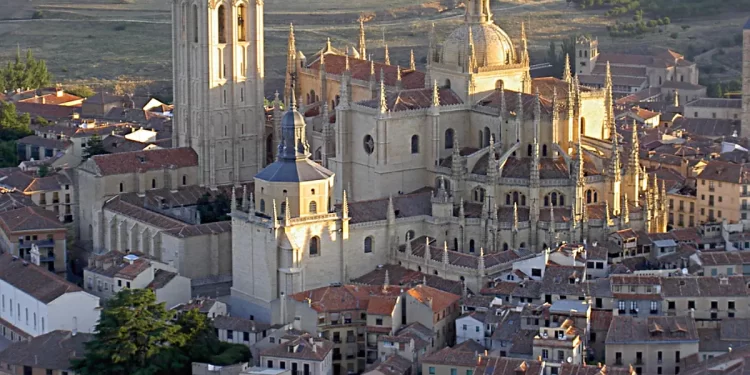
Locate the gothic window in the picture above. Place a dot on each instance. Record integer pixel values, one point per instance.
(554, 199)
(471, 246)
(592, 196)
(583, 126)
(414, 144)
(153, 183)
(480, 139)
(313, 207)
(479, 194)
(369, 144)
(222, 24)
(283, 208)
(312, 97)
(448, 81)
(195, 24)
(505, 246)
(410, 235)
(241, 23)
(499, 84)
(544, 150)
(449, 134)
(455, 244)
(523, 245)
(262, 205)
(546, 201)
(315, 246)
(122, 187)
(528, 150)
(368, 244)
(486, 140)
(515, 198)
(184, 179)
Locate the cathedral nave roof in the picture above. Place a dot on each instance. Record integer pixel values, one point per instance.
(407, 205)
(402, 276)
(474, 210)
(360, 70)
(549, 168)
(493, 100)
(456, 258)
(405, 100)
(464, 151)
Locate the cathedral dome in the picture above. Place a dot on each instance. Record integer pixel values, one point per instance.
(492, 46)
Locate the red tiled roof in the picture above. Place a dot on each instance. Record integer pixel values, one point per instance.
(47, 111)
(405, 100)
(440, 300)
(344, 297)
(381, 305)
(141, 161)
(360, 69)
(53, 99)
(29, 219)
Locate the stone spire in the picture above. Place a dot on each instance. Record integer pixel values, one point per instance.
(387, 56)
(362, 41)
(493, 213)
(244, 197)
(519, 110)
(472, 55)
(234, 199)
(372, 70)
(293, 144)
(567, 76)
(391, 211)
(251, 205)
(625, 210)
(291, 67)
(344, 206)
(275, 215)
(399, 84)
(609, 105)
(427, 253)
(492, 165)
(323, 58)
(383, 104)
(581, 179)
(436, 96)
(634, 165)
(606, 213)
(551, 229)
(480, 266)
(515, 217)
(287, 212)
(386, 282)
(503, 105)
(408, 250)
(347, 68)
(461, 212)
(524, 45)
(412, 62)
(446, 259)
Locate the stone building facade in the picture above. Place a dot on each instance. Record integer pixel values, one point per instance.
(541, 164)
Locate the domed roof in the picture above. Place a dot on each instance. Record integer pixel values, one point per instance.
(492, 46)
(292, 118)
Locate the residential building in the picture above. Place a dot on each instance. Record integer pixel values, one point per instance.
(35, 301)
(652, 345)
(719, 108)
(434, 309)
(392, 365)
(561, 338)
(579, 369)
(114, 271)
(237, 330)
(683, 207)
(50, 354)
(637, 295)
(303, 354)
(34, 227)
(706, 297)
(722, 192)
(722, 263)
(238, 369)
(470, 326)
(412, 342)
(54, 192)
(209, 307)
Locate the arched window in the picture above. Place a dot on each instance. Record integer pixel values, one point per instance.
(313, 208)
(312, 97)
(455, 244)
(241, 23)
(562, 200)
(283, 208)
(122, 187)
(414, 144)
(507, 200)
(222, 24)
(544, 150)
(528, 150)
(315, 246)
(486, 137)
(448, 82)
(435, 272)
(410, 235)
(505, 246)
(153, 183)
(184, 179)
(592, 196)
(368, 244)
(449, 134)
(515, 198)
(523, 245)
(419, 269)
(499, 84)
(479, 194)
(471, 246)
(262, 205)
(553, 199)
(580, 53)
(195, 23)
(546, 201)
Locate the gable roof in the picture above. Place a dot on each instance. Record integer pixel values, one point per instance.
(33, 280)
(142, 161)
(405, 100)
(360, 70)
(438, 299)
(630, 330)
(344, 297)
(303, 347)
(726, 172)
(31, 218)
(52, 350)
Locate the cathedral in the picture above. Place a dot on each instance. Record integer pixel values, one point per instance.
(456, 171)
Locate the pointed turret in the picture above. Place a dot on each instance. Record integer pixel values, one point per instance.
(391, 211)
(503, 105)
(387, 56)
(480, 266)
(412, 62)
(383, 104)
(347, 68)
(427, 253)
(609, 108)
(606, 213)
(625, 210)
(446, 258)
(581, 180)
(567, 76)
(492, 166)
(344, 206)
(386, 281)
(399, 84)
(436, 96)
(274, 215)
(251, 205)
(515, 217)
(634, 165)
(493, 212)
(287, 212)
(472, 56)
(244, 197)
(524, 45)
(233, 205)
(362, 41)
(291, 67)
(461, 211)
(408, 250)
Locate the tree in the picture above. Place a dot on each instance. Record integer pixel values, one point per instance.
(133, 331)
(213, 209)
(12, 125)
(28, 74)
(81, 90)
(94, 147)
(43, 170)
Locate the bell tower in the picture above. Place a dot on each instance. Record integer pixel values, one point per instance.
(218, 79)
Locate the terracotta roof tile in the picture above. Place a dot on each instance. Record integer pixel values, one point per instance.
(300, 347)
(33, 280)
(345, 297)
(406, 100)
(508, 366)
(47, 111)
(726, 172)
(439, 299)
(381, 305)
(30, 218)
(360, 70)
(53, 350)
(629, 330)
(141, 161)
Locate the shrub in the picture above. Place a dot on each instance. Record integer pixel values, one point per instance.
(674, 35)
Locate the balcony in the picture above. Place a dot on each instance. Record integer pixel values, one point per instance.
(618, 361)
(40, 243)
(638, 362)
(336, 356)
(351, 339)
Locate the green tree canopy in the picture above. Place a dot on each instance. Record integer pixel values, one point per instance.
(24, 74)
(12, 125)
(95, 146)
(136, 335)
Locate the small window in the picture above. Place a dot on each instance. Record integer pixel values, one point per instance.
(184, 180)
(313, 208)
(369, 144)
(315, 246)
(449, 134)
(153, 183)
(415, 144)
(368, 244)
(410, 235)
(262, 205)
(122, 187)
